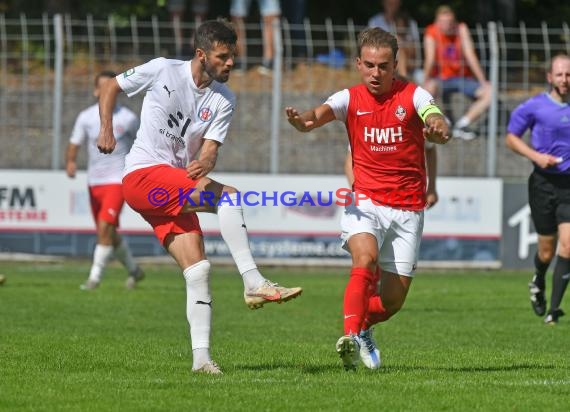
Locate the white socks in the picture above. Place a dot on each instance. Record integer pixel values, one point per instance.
(234, 232)
(199, 311)
(101, 257)
(462, 122)
(123, 253)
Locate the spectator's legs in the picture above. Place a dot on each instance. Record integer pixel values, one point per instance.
(241, 61)
(482, 102)
(268, 49)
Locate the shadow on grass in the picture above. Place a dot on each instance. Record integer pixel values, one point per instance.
(328, 367)
(272, 366)
(462, 369)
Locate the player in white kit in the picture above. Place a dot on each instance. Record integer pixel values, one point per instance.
(185, 117)
(104, 176)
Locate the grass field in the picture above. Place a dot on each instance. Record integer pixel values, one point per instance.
(464, 341)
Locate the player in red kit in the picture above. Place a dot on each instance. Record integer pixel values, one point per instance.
(387, 121)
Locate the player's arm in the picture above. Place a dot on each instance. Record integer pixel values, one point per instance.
(348, 168)
(71, 159)
(205, 163)
(431, 166)
(107, 99)
(519, 146)
(311, 119)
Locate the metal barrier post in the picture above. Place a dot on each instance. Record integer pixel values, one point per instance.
(57, 91)
(276, 97)
(492, 120)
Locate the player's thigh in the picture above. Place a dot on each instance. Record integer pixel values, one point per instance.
(359, 217)
(158, 190)
(400, 250)
(106, 203)
(363, 249)
(187, 249)
(207, 195)
(542, 202)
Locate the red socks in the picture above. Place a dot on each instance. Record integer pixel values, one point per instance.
(356, 297)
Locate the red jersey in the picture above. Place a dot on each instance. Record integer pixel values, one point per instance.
(449, 61)
(387, 144)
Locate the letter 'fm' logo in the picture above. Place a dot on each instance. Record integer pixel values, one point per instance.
(205, 114)
(400, 113)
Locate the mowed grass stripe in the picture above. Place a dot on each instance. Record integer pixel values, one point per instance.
(464, 341)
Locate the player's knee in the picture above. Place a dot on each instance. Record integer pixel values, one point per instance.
(564, 248)
(230, 190)
(392, 307)
(198, 274)
(365, 261)
(546, 254)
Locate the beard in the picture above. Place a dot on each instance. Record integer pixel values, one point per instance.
(564, 96)
(213, 74)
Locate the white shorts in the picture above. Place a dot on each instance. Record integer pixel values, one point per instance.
(398, 233)
(240, 8)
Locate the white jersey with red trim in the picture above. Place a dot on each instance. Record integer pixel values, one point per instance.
(387, 144)
(176, 115)
(102, 168)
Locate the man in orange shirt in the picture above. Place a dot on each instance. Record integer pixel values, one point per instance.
(451, 65)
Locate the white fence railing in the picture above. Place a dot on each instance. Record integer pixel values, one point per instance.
(38, 107)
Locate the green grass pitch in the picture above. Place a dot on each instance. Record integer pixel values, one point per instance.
(464, 341)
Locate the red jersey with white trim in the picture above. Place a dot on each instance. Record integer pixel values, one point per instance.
(386, 140)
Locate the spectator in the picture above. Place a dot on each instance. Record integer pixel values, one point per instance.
(451, 65)
(294, 11)
(547, 115)
(396, 21)
(177, 9)
(270, 12)
(104, 175)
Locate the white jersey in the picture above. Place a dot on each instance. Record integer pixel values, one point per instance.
(102, 168)
(176, 115)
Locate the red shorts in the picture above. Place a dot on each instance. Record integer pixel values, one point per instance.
(106, 202)
(156, 192)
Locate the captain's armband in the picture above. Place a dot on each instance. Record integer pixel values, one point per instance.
(427, 110)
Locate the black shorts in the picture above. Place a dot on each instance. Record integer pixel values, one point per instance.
(549, 200)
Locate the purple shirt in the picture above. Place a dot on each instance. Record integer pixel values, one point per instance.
(549, 123)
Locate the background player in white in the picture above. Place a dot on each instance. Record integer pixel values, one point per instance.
(387, 121)
(104, 176)
(185, 117)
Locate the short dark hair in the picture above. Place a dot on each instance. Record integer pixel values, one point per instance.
(213, 32)
(105, 73)
(557, 56)
(376, 37)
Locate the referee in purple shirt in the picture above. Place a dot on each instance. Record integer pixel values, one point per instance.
(548, 118)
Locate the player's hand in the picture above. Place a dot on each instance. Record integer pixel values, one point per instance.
(295, 119)
(436, 134)
(70, 169)
(545, 160)
(431, 198)
(106, 142)
(197, 169)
